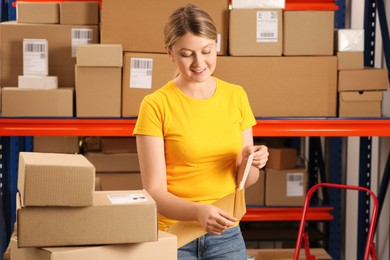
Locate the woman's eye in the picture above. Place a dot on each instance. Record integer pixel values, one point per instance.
(185, 55)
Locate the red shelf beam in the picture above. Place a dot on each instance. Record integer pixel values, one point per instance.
(286, 214)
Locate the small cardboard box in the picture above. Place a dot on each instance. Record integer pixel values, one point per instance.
(285, 187)
(119, 162)
(119, 145)
(37, 102)
(38, 82)
(364, 79)
(99, 55)
(286, 254)
(308, 33)
(256, 32)
(360, 104)
(54, 179)
(164, 248)
(98, 91)
(350, 60)
(254, 195)
(116, 217)
(79, 12)
(282, 158)
(56, 144)
(120, 181)
(38, 13)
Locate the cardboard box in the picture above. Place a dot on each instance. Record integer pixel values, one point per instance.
(256, 32)
(98, 91)
(53, 179)
(119, 144)
(308, 32)
(364, 79)
(139, 26)
(62, 41)
(286, 254)
(164, 248)
(35, 57)
(100, 55)
(39, 13)
(284, 86)
(282, 158)
(116, 217)
(120, 181)
(38, 82)
(254, 195)
(37, 103)
(350, 60)
(120, 162)
(143, 73)
(56, 144)
(285, 187)
(360, 104)
(349, 40)
(79, 12)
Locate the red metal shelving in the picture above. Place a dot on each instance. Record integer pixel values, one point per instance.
(281, 214)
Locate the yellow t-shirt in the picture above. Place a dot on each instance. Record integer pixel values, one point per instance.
(202, 139)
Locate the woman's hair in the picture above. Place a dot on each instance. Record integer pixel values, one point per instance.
(189, 18)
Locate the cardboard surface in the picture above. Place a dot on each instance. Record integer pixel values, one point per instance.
(18, 102)
(282, 158)
(119, 144)
(53, 179)
(308, 32)
(39, 13)
(79, 12)
(164, 249)
(139, 26)
(350, 60)
(360, 104)
(61, 41)
(254, 195)
(116, 217)
(256, 32)
(284, 86)
(363, 79)
(119, 162)
(287, 254)
(98, 91)
(38, 82)
(56, 144)
(100, 55)
(120, 181)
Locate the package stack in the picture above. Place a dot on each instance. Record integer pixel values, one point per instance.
(285, 181)
(360, 88)
(51, 34)
(56, 144)
(60, 209)
(116, 163)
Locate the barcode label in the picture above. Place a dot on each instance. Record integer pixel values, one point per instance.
(35, 47)
(141, 71)
(80, 36)
(35, 57)
(267, 26)
(126, 198)
(295, 185)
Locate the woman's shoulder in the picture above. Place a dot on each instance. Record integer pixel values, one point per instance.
(229, 86)
(161, 93)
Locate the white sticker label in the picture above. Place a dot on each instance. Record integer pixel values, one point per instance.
(267, 26)
(80, 36)
(127, 198)
(141, 70)
(35, 58)
(294, 184)
(218, 42)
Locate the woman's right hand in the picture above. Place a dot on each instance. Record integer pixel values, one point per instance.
(214, 220)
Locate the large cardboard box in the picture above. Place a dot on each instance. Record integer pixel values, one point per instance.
(18, 102)
(56, 144)
(308, 32)
(282, 158)
(256, 32)
(116, 217)
(164, 249)
(119, 144)
(286, 254)
(360, 104)
(98, 91)
(254, 195)
(100, 55)
(364, 79)
(143, 73)
(79, 12)
(350, 60)
(62, 41)
(39, 13)
(285, 187)
(53, 179)
(139, 26)
(284, 86)
(119, 162)
(120, 181)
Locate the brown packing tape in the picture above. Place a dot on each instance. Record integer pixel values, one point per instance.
(187, 231)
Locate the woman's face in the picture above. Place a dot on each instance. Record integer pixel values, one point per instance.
(195, 57)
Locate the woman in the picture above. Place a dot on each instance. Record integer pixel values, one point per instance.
(194, 136)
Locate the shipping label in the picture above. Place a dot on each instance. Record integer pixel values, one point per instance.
(127, 198)
(80, 36)
(267, 26)
(294, 184)
(141, 70)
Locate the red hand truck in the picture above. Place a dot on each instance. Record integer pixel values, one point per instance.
(303, 236)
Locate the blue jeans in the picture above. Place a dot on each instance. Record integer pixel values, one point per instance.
(229, 245)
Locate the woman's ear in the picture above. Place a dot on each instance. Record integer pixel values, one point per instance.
(169, 52)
